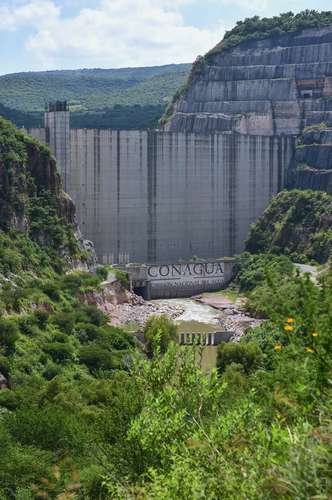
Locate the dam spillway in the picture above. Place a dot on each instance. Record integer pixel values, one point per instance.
(157, 196)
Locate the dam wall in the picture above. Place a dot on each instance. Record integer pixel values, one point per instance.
(156, 196)
(160, 196)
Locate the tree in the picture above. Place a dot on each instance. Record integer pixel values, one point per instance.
(159, 331)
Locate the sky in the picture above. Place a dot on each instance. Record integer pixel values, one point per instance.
(70, 34)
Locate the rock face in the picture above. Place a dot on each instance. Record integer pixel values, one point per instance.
(269, 87)
(4, 384)
(312, 164)
(296, 223)
(32, 199)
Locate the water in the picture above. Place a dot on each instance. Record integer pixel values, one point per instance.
(198, 318)
(195, 312)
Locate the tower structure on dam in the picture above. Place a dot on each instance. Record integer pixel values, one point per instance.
(57, 136)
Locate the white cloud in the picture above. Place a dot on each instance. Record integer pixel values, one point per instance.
(254, 5)
(33, 13)
(114, 34)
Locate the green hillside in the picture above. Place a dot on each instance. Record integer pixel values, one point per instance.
(256, 28)
(92, 89)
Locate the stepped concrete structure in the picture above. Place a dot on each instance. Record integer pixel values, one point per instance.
(275, 86)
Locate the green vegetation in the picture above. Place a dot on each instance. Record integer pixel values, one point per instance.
(20, 118)
(256, 28)
(93, 89)
(120, 99)
(297, 224)
(251, 270)
(119, 117)
(88, 416)
(159, 331)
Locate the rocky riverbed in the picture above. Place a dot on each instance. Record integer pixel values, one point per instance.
(139, 313)
(208, 311)
(234, 317)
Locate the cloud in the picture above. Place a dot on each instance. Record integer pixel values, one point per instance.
(115, 33)
(33, 13)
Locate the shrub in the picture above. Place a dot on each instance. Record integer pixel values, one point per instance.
(253, 270)
(257, 28)
(159, 331)
(59, 351)
(116, 338)
(79, 281)
(65, 320)
(249, 356)
(4, 365)
(52, 290)
(9, 333)
(296, 223)
(50, 428)
(51, 370)
(122, 277)
(96, 358)
(90, 314)
(102, 272)
(87, 332)
(8, 399)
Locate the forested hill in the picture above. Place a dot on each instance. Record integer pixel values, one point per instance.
(126, 98)
(91, 89)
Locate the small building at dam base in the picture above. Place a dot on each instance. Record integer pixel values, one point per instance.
(185, 279)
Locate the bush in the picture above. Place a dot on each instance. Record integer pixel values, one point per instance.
(49, 428)
(122, 277)
(9, 333)
(249, 356)
(52, 290)
(79, 281)
(102, 272)
(97, 358)
(4, 365)
(90, 314)
(253, 270)
(116, 338)
(60, 352)
(159, 331)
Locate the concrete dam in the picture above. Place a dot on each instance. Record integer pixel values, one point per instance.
(158, 196)
(252, 120)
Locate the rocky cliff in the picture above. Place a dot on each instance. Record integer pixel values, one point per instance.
(274, 86)
(296, 223)
(311, 167)
(32, 201)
